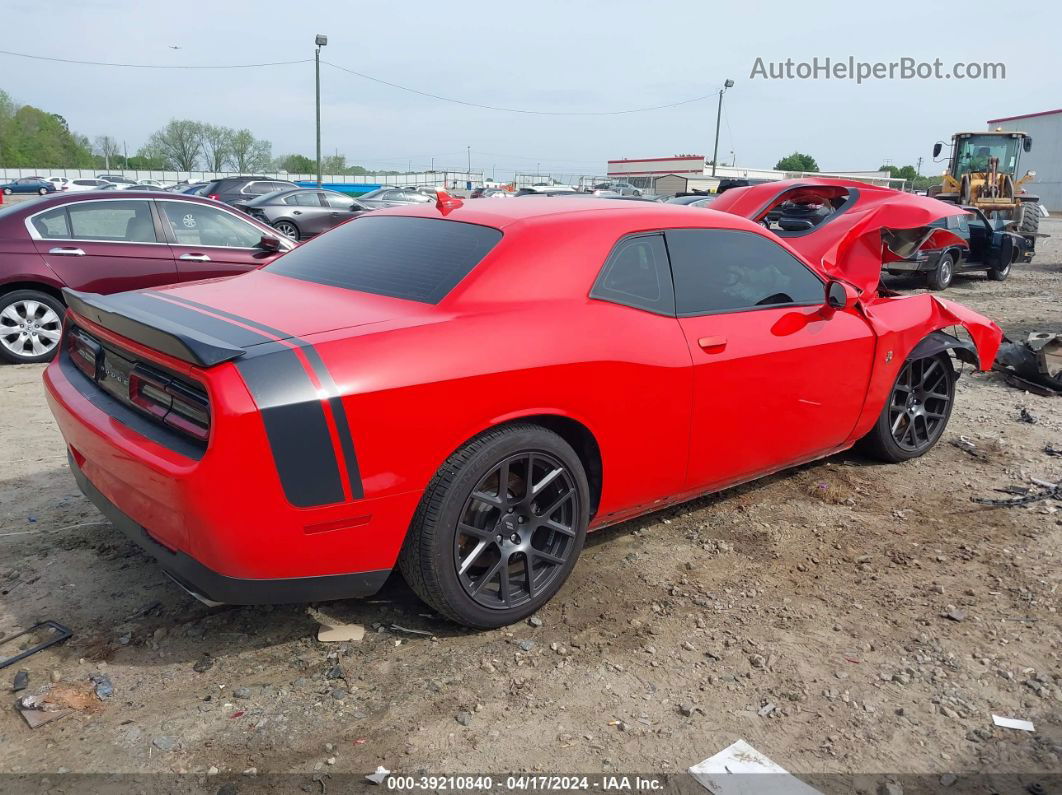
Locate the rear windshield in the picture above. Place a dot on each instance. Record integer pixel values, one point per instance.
(419, 259)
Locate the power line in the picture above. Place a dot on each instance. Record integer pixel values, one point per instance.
(515, 110)
(152, 66)
(380, 80)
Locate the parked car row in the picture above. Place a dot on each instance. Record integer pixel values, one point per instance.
(106, 243)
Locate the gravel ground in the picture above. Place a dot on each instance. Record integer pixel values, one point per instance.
(842, 617)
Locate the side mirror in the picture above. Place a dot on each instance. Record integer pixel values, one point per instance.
(936, 148)
(840, 295)
(268, 243)
(1027, 144)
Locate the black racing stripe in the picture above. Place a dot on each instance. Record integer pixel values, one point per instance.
(291, 408)
(339, 411)
(296, 426)
(222, 330)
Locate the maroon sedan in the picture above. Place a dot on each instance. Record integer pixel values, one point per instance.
(99, 242)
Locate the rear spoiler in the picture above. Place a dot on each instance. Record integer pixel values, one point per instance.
(121, 314)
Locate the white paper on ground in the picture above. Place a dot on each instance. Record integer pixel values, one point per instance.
(742, 770)
(340, 633)
(1013, 723)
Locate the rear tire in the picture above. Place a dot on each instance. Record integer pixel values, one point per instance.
(477, 520)
(288, 229)
(7, 191)
(1028, 220)
(941, 276)
(916, 411)
(43, 191)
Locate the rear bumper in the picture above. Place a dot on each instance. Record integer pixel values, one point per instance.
(920, 265)
(209, 585)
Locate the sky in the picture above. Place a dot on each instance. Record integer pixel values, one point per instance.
(546, 55)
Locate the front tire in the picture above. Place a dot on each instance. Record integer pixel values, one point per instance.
(43, 191)
(499, 527)
(31, 325)
(917, 410)
(940, 277)
(7, 191)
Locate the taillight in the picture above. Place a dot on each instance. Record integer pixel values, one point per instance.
(213, 196)
(177, 404)
(85, 353)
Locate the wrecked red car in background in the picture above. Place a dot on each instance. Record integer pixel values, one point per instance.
(466, 390)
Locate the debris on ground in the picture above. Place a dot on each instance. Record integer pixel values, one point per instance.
(380, 774)
(103, 687)
(1050, 449)
(20, 682)
(1034, 365)
(967, 446)
(1048, 490)
(340, 633)
(1027, 416)
(1013, 723)
(203, 664)
(52, 702)
(727, 773)
(397, 628)
(59, 633)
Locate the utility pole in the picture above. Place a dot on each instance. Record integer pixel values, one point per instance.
(469, 149)
(320, 41)
(918, 168)
(728, 83)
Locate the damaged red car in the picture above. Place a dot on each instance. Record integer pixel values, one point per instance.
(464, 391)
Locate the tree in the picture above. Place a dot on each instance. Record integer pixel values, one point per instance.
(107, 148)
(148, 158)
(247, 153)
(180, 142)
(32, 137)
(217, 146)
(333, 164)
(297, 164)
(797, 162)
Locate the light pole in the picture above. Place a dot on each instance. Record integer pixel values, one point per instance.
(718, 114)
(320, 40)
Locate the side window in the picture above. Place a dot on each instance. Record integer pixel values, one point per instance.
(725, 270)
(201, 225)
(258, 188)
(337, 202)
(125, 221)
(52, 225)
(306, 199)
(962, 223)
(636, 274)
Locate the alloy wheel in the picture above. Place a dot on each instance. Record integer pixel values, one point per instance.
(918, 407)
(287, 229)
(29, 328)
(517, 530)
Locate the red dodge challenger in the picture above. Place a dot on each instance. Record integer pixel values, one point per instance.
(466, 390)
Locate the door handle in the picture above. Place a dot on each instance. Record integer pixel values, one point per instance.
(296, 212)
(195, 257)
(66, 251)
(712, 344)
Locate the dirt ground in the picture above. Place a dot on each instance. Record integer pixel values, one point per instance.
(807, 613)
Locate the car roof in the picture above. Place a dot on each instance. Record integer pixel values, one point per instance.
(535, 209)
(59, 198)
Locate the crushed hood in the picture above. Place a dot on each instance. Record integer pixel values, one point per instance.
(870, 225)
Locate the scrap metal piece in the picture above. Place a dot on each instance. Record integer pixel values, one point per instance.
(61, 633)
(1035, 364)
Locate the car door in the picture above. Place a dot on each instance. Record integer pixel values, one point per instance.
(309, 212)
(779, 377)
(104, 245)
(208, 241)
(340, 208)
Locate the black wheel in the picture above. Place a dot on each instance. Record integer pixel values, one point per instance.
(1028, 220)
(916, 412)
(31, 324)
(499, 528)
(940, 277)
(288, 229)
(1000, 273)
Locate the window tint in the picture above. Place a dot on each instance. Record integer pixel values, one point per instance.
(419, 259)
(336, 201)
(304, 199)
(200, 225)
(52, 225)
(722, 270)
(636, 274)
(128, 221)
(258, 188)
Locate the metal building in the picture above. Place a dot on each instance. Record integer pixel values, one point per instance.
(1045, 157)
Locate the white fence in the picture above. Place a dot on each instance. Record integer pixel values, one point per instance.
(445, 178)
